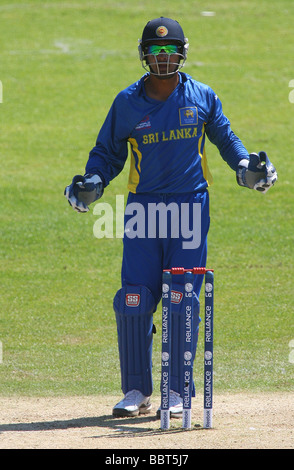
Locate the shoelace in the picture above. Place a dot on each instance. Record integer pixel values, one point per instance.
(175, 399)
(133, 397)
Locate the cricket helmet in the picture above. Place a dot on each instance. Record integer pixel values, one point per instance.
(163, 29)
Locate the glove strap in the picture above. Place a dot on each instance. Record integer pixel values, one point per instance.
(241, 172)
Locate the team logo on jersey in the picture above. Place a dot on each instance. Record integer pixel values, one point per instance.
(188, 116)
(132, 300)
(161, 31)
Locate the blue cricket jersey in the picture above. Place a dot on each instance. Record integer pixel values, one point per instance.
(166, 138)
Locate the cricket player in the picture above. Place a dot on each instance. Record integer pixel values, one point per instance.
(162, 121)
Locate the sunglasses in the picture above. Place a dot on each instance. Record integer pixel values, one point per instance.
(167, 49)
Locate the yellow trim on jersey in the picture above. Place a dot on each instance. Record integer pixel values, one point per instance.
(206, 173)
(135, 166)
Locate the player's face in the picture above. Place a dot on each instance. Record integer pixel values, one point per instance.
(163, 58)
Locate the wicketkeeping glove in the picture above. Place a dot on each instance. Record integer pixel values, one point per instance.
(83, 190)
(257, 172)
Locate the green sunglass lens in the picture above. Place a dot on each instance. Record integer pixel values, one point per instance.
(168, 49)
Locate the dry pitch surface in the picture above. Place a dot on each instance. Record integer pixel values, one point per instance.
(241, 421)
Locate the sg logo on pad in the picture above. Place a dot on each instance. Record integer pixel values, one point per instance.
(132, 300)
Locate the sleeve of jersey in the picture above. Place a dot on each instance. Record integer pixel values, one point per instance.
(109, 155)
(219, 132)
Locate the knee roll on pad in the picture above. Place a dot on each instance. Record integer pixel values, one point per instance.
(178, 327)
(134, 307)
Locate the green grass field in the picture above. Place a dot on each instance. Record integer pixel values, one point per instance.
(61, 65)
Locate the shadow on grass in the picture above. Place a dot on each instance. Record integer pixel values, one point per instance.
(126, 427)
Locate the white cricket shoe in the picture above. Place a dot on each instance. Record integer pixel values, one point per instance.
(133, 404)
(175, 405)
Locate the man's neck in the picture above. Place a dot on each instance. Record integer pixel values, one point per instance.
(160, 89)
